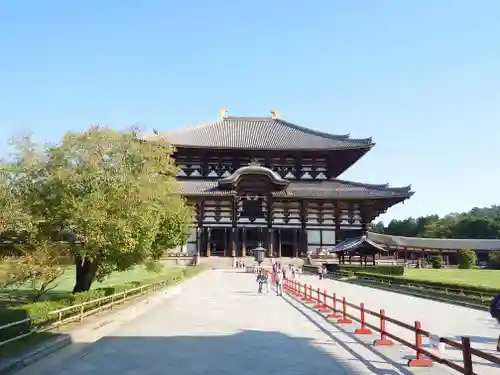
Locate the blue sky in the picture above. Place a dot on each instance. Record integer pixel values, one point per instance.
(421, 77)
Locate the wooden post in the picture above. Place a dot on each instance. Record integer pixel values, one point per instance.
(279, 243)
(295, 243)
(198, 241)
(270, 242)
(243, 242)
(209, 242)
(233, 235)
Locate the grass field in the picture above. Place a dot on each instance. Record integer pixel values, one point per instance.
(8, 298)
(67, 281)
(476, 277)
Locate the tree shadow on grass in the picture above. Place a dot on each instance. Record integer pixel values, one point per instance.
(244, 352)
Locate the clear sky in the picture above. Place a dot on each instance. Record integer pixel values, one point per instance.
(422, 77)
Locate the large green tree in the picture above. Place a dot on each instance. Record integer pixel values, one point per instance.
(477, 223)
(111, 196)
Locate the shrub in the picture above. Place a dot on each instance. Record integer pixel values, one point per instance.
(42, 308)
(494, 259)
(490, 291)
(467, 259)
(437, 261)
(377, 269)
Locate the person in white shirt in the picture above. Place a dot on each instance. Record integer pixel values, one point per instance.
(279, 283)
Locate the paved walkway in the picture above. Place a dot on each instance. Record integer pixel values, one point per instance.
(218, 326)
(443, 319)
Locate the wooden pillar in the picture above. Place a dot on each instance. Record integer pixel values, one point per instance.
(243, 242)
(209, 242)
(295, 243)
(337, 223)
(270, 242)
(234, 236)
(279, 243)
(303, 242)
(198, 241)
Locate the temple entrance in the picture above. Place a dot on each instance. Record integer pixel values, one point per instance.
(218, 242)
(254, 238)
(286, 236)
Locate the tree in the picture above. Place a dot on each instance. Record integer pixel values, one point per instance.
(115, 198)
(40, 266)
(477, 223)
(494, 259)
(436, 261)
(467, 259)
(109, 196)
(28, 253)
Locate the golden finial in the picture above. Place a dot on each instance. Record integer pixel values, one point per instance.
(222, 113)
(275, 114)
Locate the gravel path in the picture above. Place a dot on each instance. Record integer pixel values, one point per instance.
(220, 325)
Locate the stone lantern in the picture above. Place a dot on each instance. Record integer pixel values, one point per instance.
(259, 254)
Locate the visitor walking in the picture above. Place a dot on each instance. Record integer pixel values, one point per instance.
(320, 272)
(268, 282)
(279, 284)
(495, 313)
(261, 280)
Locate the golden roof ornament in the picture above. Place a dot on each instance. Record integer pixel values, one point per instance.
(275, 114)
(222, 113)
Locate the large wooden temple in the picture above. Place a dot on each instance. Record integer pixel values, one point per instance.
(264, 180)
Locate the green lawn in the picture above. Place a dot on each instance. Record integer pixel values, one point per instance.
(67, 281)
(475, 277)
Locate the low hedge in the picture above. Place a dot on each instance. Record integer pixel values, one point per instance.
(437, 284)
(42, 308)
(376, 269)
(355, 269)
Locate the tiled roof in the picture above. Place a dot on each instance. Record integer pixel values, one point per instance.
(435, 243)
(261, 133)
(352, 244)
(326, 189)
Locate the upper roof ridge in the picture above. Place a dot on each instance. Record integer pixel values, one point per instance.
(264, 132)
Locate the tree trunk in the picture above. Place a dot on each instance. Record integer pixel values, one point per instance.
(86, 270)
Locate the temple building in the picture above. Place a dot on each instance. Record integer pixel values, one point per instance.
(266, 181)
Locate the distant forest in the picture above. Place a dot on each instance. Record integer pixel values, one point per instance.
(477, 223)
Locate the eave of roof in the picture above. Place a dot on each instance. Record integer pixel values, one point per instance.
(435, 243)
(325, 189)
(352, 244)
(258, 133)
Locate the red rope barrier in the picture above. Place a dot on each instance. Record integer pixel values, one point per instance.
(325, 308)
(423, 358)
(335, 314)
(318, 304)
(383, 340)
(363, 330)
(344, 319)
(305, 298)
(419, 361)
